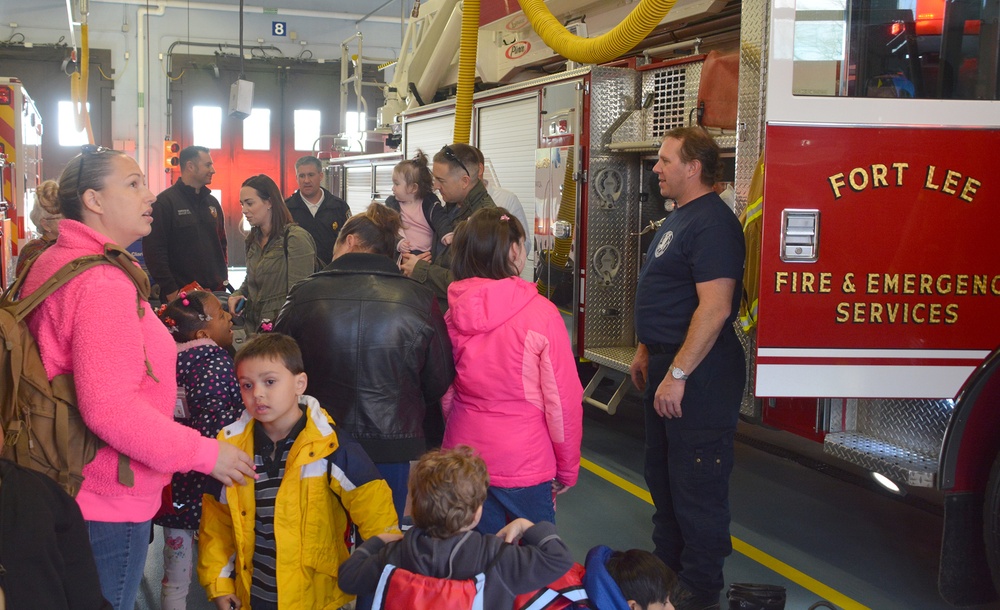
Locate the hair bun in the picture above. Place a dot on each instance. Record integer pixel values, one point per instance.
(47, 196)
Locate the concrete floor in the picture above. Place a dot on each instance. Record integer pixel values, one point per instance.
(819, 536)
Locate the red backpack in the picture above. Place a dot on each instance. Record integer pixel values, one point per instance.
(400, 589)
(565, 593)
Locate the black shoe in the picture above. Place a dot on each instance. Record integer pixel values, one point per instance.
(684, 598)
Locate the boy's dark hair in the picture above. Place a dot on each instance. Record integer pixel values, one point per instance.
(481, 247)
(184, 321)
(447, 488)
(641, 576)
(273, 346)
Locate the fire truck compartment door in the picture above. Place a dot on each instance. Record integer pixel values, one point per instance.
(901, 300)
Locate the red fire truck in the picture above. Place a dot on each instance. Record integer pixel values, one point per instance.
(20, 168)
(869, 318)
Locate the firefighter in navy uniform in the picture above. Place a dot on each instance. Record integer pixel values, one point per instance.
(690, 366)
(316, 209)
(188, 240)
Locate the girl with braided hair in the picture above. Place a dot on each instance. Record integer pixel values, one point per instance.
(208, 399)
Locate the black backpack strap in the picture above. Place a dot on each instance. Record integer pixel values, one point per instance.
(496, 558)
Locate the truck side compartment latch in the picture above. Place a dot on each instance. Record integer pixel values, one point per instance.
(799, 236)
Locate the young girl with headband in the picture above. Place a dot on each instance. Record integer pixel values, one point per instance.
(208, 399)
(514, 371)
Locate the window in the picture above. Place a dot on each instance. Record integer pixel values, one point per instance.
(306, 124)
(68, 134)
(207, 126)
(257, 130)
(930, 49)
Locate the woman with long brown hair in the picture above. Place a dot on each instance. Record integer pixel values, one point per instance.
(279, 253)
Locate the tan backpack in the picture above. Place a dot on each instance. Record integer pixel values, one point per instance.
(42, 426)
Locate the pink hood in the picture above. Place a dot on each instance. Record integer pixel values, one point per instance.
(478, 305)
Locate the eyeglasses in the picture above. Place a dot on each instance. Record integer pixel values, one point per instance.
(87, 149)
(449, 154)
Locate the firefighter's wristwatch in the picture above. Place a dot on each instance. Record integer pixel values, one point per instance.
(678, 374)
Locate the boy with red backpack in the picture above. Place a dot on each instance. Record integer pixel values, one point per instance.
(442, 562)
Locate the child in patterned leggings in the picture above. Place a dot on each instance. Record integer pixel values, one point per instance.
(208, 398)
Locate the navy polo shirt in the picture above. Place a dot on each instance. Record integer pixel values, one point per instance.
(699, 242)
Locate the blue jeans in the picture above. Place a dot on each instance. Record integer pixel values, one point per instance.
(120, 554)
(504, 504)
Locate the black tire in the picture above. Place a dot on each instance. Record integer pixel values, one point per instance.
(991, 522)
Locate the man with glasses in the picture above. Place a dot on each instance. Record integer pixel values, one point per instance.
(188, 240)
(316, 209)
(463, 193)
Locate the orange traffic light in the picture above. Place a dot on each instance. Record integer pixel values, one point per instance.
(170, 152)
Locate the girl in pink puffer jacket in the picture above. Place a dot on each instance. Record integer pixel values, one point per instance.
(516, 398)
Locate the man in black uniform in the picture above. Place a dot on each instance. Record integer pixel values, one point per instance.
(690, 365)
(316, 209)
(187, 242)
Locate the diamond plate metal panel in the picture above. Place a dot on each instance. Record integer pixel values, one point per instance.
(614, 94)
(899, 438)
(612, 257)
(752, 87)
(612, 215)
(898, 464)
(617, 358)
(914, 425)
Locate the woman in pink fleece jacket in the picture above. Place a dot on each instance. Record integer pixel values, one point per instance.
(123, 365)
(516, 398)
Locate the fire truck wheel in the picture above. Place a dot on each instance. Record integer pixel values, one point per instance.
(991, 522)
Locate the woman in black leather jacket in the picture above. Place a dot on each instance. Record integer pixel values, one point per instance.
(375, 345)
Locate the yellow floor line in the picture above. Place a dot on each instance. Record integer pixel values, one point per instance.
(772, 563)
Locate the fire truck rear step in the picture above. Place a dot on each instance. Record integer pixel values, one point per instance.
(896, 463)
(900, 439)
(613, 363)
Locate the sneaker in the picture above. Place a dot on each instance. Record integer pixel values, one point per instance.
(684, 598)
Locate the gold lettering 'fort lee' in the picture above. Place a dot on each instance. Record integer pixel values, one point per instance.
(878, 175)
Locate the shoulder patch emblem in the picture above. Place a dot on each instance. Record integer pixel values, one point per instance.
(335, 225)
(214, 211)
(664, 243)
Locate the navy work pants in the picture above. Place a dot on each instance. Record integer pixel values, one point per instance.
(688, 463)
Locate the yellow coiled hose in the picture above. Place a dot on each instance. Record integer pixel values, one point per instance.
(603, 48)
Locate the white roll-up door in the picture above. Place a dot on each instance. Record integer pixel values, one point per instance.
(507, 134)
(359, 188)
(428, 134)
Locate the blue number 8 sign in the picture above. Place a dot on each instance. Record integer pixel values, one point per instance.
(278, 28)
